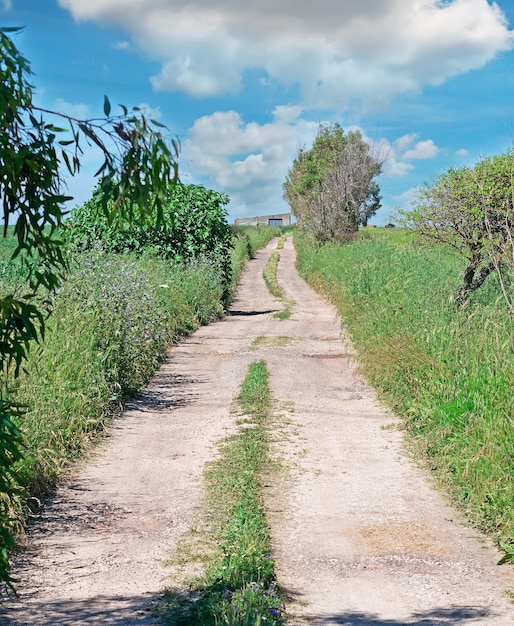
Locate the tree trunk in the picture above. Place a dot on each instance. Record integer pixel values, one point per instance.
(473, 279)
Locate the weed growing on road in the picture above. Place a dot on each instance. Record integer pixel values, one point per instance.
(112, 320)
(269, 274)
(238, 587)
(247, 240)
(262, 341)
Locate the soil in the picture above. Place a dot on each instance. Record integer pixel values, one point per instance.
(360, 534)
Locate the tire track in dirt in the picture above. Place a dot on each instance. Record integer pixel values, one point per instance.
(359, 535)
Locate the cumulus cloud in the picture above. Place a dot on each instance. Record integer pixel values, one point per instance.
(462, 152)
(401, 151)
(247, 160)
(250, 161)
(406, 199)
(153, 113)
(422, 150)
(6, 5)
(393, 165)
(404, 142)
(335, 51)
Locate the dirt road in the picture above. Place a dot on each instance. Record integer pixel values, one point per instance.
(359, 535)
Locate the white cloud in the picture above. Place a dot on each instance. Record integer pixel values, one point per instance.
(6, 5)
(406, 199)
(121, 45)
(74, 109)
(402, 143)
(287, 114)
(337, 52)
(462, 152)
(249, 161)
(402, 150)
(422, 150)
(393, 166)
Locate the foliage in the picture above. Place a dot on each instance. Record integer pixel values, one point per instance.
(138, 165)
(331, 188)
(256, 237)
(448, 372)
(111, 321)
(193, 224)
(238, 587)
(471, 210)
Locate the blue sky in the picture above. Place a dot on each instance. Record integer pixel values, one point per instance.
(244, 84)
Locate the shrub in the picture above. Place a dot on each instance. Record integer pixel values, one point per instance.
(192, 225)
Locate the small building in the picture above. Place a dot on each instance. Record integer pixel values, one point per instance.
(279, 219)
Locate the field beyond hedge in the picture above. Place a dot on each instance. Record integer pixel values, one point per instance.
(447, 372)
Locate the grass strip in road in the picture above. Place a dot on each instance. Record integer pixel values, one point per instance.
(238, 587)
(269, 274)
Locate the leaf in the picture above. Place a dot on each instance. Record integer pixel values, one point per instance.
(107, 106)
(67, 162)
(101, 169)
(11, 29)
(509, 553)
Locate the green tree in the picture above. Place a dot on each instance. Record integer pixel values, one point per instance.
(332, 188)
(138, 167)
(470, 209)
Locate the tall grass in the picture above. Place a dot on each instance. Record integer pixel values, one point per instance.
(448, 372)
(269, 274)
(111, 324)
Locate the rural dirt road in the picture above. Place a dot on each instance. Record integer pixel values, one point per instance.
(359, 535)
